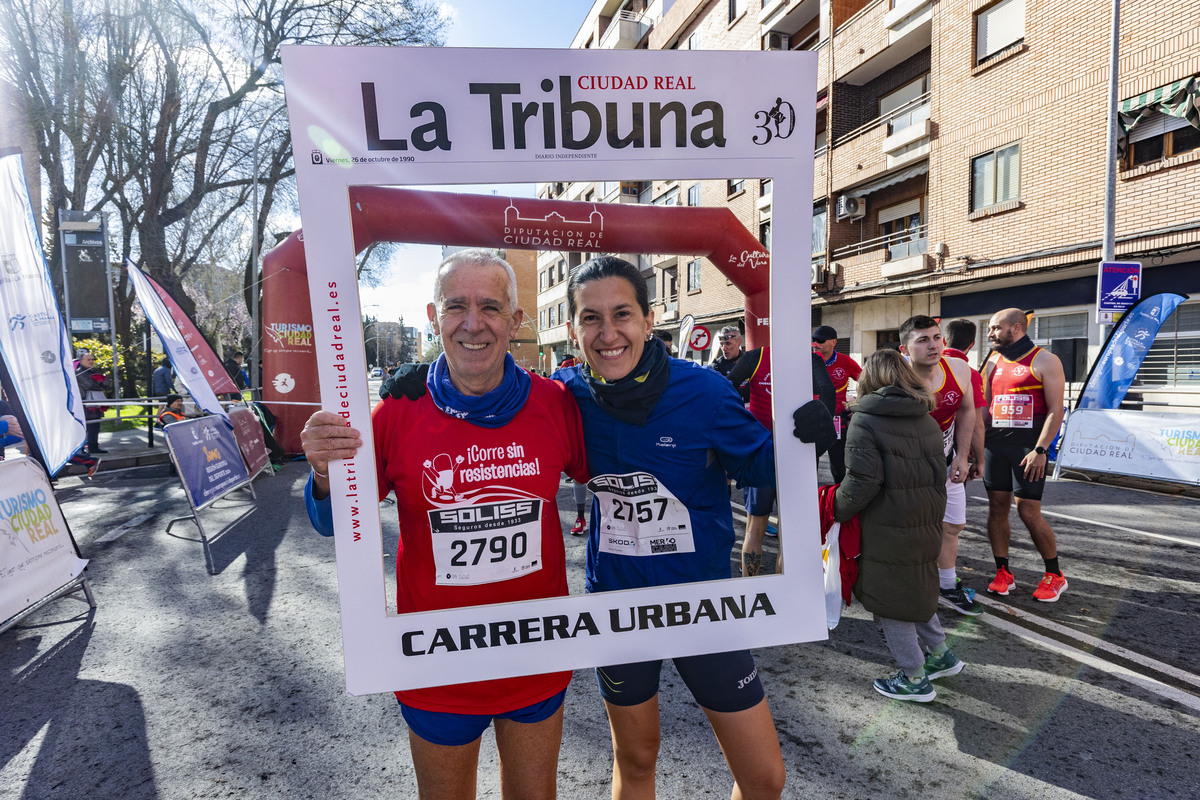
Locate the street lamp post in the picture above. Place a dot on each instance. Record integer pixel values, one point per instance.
(255, 333)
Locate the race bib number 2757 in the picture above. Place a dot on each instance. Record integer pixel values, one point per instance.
(640, 517)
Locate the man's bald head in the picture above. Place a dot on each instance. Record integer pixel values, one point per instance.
(1012, 316)
(1006, 327)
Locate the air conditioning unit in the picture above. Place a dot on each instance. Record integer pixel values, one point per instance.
(851, 207)
(818, 274)
(777, 41)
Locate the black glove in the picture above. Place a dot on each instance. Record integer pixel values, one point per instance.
(814, 425)
(410, 384)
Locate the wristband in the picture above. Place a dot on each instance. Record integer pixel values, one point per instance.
(319, 474)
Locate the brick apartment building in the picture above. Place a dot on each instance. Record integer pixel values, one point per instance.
(959, 162)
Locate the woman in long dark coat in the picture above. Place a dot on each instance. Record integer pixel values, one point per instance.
(896, 483)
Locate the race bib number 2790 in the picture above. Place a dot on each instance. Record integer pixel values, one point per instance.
(640, 517)
(485, 543)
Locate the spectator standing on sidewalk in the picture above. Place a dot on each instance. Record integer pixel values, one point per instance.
(1024, 385)
(896, 483)
(842, 369)
(162, 382)
(92, 386)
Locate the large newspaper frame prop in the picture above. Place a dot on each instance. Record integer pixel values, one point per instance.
(409, 117)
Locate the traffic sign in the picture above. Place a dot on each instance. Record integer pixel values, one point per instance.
(701, 338)
(1119, 287)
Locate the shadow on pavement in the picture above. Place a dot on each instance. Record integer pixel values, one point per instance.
(93, 733)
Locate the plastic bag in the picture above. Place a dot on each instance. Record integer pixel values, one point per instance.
(832, 558)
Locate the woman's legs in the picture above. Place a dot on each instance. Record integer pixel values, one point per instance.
(635, 736)
(901, 638)
(751, 747)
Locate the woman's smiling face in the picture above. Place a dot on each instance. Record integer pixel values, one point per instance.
(609, 327)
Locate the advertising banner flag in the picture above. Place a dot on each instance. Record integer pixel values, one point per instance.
(674, 119)
(1141, 444)
(249, 433)
(210, 365)
(177, 347)
(37, 553)
(33, 338)
(207, 456)
(1126, 348)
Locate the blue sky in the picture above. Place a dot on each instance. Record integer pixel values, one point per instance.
(408, 283)
(523, 23)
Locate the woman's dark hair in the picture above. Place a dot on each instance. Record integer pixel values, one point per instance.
(608, 267)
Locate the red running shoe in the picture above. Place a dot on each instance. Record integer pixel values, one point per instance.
(1004, 582)
(1050, 587)
(579, 527)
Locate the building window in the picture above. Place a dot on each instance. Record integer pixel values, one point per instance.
(818, 231)
(996, 177)
(668, 198)
(1174, 357)
(733, 10)
(998, 27)
(694, 194)
(694, 41)
(764, 187)
(562, 270)
(1160, 136)
(764, 234)
(901, 229)
(694, 275)
(670, 284)
(550, 316)
(901, 107)
(1059, 326)
(562, 313)
(541, 281)
(735, 186)
(542, 319)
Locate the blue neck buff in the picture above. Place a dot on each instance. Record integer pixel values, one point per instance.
(491, 410)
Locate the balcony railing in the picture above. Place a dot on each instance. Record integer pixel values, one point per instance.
(896, 120)
(908, 242)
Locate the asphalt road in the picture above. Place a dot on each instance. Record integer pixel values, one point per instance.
(215, 671)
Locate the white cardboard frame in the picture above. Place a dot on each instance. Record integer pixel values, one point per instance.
(329, 134)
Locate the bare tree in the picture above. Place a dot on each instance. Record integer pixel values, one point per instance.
(154, 109)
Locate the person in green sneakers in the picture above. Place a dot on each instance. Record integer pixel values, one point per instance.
(896, 483)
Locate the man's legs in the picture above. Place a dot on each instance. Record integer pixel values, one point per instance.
(999, 535)
(444, 772)
(1030, 512)
(529, 757)
(756, 528)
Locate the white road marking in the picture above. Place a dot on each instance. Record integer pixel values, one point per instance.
(1090, 641)
(1162, 537)
(1137, 679)
(121, 530)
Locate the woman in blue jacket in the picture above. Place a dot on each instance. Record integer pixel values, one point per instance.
(661, 434)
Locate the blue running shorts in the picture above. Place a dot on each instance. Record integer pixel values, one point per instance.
(759, 500)
(455, 730)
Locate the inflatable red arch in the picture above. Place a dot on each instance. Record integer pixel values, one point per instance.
(384, 214)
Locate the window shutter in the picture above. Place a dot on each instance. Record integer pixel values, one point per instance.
(905, 94)
(1156, 124)
(899, 211)
(998, 27)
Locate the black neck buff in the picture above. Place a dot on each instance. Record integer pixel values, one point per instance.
(1020, 347)
(632, 398)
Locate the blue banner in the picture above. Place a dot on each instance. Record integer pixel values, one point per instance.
(207, 456)
(1126, 348)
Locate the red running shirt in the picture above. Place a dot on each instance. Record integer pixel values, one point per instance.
(841, 369)
(478, 521)
(1016, 378)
